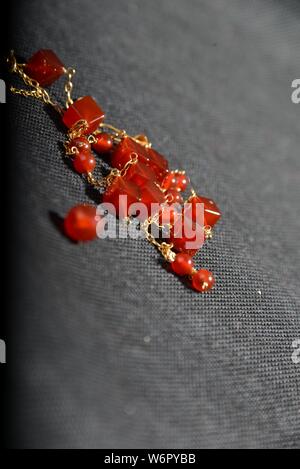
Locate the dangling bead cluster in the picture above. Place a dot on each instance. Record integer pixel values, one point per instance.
(137, 171)
(201, 280)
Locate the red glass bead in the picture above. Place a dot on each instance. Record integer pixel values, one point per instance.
(211, 212)
(124, 150)
(81, 143)
(152, 194)
(175, 181)
(139, 174)
(182, 182)
(203, 281)
(183, 264)
(158, 163)
(174, 197)
(80, 223)
(118, 188)
(186, 235)
(45, 67)
(104, 143)
(169, 181)
(84, 162)
(123, 153)
(87, 109)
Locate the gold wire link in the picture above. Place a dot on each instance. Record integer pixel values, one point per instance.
(104, 182)
(208, 232)
(133, 160)
(78, 129)
(38, 92)
(142, 140)
(92, 139)
(70, 72)
(120, 134)
(164, 248)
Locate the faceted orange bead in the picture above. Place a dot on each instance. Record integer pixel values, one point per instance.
(86, 109)
(80, 223)
(45, 67)
(203, 280)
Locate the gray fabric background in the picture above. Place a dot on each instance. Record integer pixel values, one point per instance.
(109, 350)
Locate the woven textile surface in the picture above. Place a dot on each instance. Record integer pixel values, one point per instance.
(109, 349)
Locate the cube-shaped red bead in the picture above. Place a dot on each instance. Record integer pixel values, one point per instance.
(152, 194)
(158, 163)
(212, 213)
(86, 109)
(44, 67)
(149, 194)
(147, 156)
(139, 174)
(118, 188)
(124, 150)
(186, 235)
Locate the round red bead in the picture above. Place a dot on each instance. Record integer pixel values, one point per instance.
(169, 182)
(84, 162)
(80, 223)
(183, 264)
(104, 143)
(203, 280)
(175, 181)
(182, 182)
(81, 143)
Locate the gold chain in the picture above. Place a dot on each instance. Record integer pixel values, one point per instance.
(164, 248)
(70, 72)
(119, 134)
(38, 91)
(105, 181)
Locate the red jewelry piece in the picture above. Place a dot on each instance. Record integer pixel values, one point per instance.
(211, 212)
(44, 67)
(81, 143)
(183, 264)
(120, 187)
(174, 197)
(104, 143)
(149, 157)
(139, 184)
(84, 162)
(203, 281)
(175, 182)
(80, 223)
(84, 109)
